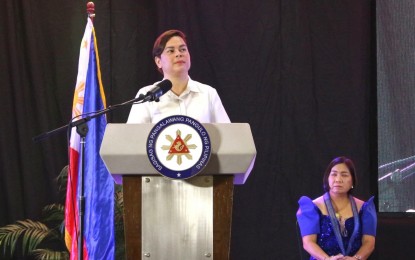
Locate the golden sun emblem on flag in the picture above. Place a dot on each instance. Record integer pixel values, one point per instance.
(78, 99)
(179, 147)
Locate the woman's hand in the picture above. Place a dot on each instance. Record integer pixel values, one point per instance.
(335, 257)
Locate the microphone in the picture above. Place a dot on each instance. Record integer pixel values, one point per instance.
(399, 175)
(406, 172)
(159, 90)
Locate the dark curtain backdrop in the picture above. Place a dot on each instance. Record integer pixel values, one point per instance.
(301, 73)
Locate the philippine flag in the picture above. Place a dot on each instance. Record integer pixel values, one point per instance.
(97, 183)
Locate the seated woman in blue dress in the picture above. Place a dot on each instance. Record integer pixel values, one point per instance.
(338, 225)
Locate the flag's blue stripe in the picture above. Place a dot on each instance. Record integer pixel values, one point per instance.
(98, 183)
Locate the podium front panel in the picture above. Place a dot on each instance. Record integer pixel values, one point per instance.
(177, 218)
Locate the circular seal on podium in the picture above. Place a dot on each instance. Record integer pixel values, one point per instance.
(178, 147)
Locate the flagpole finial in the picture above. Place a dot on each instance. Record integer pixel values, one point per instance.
(90, 9)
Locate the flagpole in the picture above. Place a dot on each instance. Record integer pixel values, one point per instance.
(90, 9)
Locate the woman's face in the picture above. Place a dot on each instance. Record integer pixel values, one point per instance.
(340, 179)
(175, 58)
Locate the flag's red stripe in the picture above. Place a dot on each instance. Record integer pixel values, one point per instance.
(71, 204)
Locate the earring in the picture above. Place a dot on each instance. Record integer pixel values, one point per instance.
(352, 187)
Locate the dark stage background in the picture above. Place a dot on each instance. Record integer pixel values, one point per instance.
(301, 73)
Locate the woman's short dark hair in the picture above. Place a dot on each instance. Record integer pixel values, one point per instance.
(161, 41)
(339, 160)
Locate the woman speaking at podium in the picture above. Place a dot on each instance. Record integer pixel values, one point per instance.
(186, 97)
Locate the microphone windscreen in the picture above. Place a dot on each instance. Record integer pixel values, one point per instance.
(165, 85)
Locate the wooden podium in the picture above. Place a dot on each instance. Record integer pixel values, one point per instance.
(178, 219)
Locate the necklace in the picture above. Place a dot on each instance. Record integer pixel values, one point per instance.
(342, 223)
(341, 220)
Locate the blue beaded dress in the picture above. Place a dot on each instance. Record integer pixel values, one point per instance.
(312, 221)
